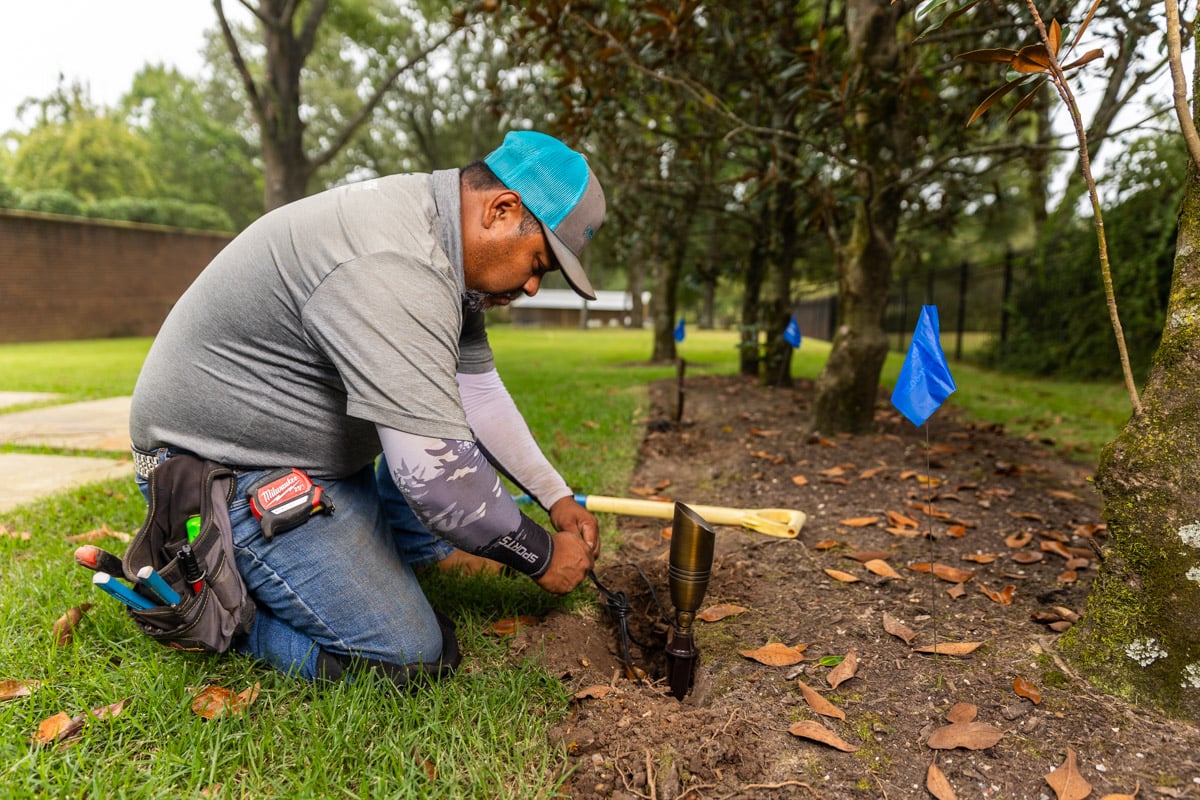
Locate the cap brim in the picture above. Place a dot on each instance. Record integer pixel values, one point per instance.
(572, 270)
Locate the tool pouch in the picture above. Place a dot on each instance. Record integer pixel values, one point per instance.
(210, 617)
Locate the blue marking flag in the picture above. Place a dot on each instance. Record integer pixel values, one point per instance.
(679, 331)
(791, 334)
(925, 380)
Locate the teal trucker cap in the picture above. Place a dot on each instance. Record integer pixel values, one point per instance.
(560, 190)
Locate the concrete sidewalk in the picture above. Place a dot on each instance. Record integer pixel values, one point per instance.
(90, 425)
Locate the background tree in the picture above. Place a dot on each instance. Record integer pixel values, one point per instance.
(387, 36)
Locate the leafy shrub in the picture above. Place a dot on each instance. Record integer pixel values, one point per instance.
(9, 198)
(162, 211)
(51, 201)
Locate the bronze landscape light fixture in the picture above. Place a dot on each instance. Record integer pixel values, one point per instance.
(692, 541)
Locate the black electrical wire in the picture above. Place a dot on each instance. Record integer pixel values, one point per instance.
(618, 606)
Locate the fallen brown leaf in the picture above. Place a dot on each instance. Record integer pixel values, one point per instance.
(980, 558)
(216, 701)
(64, 626)
(98, 534)
(1018, 540)
(54, 728)
(1004, 597)
(949, 648)
(1136, 788)
(818, 703)
(799, 480)
(881, 568)
(843, 671)
(962, 712)
(1027, 557)
(720, 612)
(826, 544)
(776, 654)
(595, 692)
(1066, 781)
(1026, 689)
(844, 577)
(897, 520)
(1057, 548)
(858, 522)
(952, 574)
(510, 625)
(938, 786)
(957, 531)
(897, 628)
(11, 689)
(819, 733)
(967, 735)
(863, 556)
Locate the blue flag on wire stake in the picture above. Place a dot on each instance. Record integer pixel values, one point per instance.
(791, 334)
(679, 331)
(925, 380)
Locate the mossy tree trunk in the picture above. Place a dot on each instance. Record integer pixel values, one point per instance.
(1139, 636)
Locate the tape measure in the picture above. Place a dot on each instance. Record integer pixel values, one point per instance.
(284, 498)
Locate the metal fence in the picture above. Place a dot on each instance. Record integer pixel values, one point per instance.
(971, 298)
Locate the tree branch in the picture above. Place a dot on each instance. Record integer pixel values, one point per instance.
(1175, 57)
(256, 102)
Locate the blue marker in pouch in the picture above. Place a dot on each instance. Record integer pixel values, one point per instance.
(122, 592)
(149, 577)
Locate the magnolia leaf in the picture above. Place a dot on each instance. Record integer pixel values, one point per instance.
(967, 735)
(1062, 494)
(98, 534)
(952, 574)
(1027, 557)
(938, 786)
(1086, 58)
(720, 612)
(844, 577)
(1003, 597)
(1066, 781)
(901, 521)
(1018, 540)
(1069, 576)
(11, 690)
(843, 671)
(858, 522)
(819, 733)
(1136, 788)
(1026, 689)
(957, 531)
(990, 55)
(881, 568)
(510, 625)
(64, 626)
(980, 558)
(799, 480)
(1054, 35)
(595, 692)
(863, 556)
(897, 628)
(216, 701)
(867, 474)
(1057, 548)
(962, 712)
(818, 703)
(826, 544)
(956, 591)
(56, 728)
(1026, 101)
(833, 472)
(949, 648)
(776, 654)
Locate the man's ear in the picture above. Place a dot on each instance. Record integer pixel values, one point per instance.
(503, 208)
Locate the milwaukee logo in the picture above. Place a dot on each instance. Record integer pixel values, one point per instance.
(283, 490)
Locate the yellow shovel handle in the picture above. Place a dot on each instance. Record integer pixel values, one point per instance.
(781, 522)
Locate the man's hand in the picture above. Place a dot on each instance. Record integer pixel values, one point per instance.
(567, 515)
(569, 565)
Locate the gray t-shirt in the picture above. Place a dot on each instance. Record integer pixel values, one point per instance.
(323, 319)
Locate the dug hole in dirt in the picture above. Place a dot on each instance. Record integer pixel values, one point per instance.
(1007, 524)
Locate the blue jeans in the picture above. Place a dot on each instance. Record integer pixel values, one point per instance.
(339, 582)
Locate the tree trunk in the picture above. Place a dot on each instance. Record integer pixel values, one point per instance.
(778, 356)
(752, 283)
(1138, 637)
(847, 387)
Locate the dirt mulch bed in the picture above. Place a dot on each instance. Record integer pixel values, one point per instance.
(1005, 510)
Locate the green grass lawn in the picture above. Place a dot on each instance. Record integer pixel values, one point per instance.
(481, 735)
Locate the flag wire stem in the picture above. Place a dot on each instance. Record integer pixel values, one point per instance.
(929, 534)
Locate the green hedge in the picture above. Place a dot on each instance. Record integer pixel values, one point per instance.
(156, 211)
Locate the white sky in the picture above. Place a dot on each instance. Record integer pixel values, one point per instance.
(102, 43)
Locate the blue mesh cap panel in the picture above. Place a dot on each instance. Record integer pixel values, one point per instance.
(549, 176)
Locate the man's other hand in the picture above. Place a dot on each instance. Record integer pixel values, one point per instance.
(569, 565)
(567, 515)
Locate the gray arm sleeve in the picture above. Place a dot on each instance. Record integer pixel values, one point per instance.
(455, 492)
(503, 433)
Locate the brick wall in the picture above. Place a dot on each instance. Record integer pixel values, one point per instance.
(72, 278)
